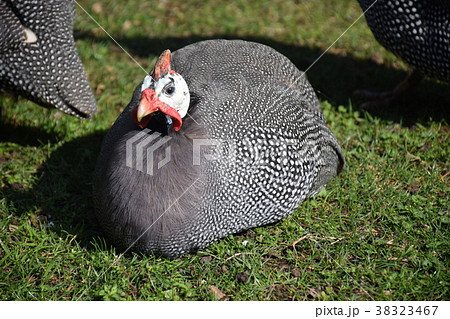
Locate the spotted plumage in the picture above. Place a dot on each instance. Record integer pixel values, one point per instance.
(38, 58)
(418, 31)
(253, 145)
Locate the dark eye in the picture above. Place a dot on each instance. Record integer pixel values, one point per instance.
(169, 90)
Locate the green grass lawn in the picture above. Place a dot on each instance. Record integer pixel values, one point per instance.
(379, 231)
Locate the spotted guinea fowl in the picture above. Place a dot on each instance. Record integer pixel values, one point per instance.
(225, 136)
(38, 58)
(417, 31)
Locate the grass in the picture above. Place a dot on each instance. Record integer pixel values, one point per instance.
(378, 232)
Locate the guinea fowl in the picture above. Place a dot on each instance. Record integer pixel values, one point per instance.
(38, 57)
(225, 136)
(417, 31)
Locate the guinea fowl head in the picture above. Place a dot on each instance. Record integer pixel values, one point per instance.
(163, 90)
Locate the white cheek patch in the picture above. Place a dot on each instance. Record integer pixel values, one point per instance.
(182, 95)
(180, 99)
(148, 80)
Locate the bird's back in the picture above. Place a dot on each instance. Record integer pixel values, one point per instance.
(271, 145)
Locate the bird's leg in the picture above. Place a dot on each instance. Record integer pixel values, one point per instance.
(384, 99)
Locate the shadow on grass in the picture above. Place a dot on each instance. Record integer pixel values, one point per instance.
(25, 135)
(63, 193)
(334, 77)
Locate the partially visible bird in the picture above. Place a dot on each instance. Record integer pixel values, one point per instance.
(225, 136)
(417, 31)
(38, 57)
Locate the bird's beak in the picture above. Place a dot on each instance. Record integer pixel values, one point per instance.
(148, 105)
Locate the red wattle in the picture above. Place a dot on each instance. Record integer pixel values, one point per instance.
(176, 118)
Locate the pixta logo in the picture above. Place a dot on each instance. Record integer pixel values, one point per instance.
(143, 152)
(140, 150)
